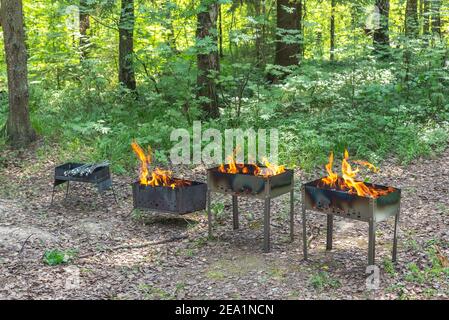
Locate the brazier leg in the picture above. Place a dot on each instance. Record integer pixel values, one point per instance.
(330, 227)
(209, 214)
(304, 231)
(292, 216)
(266, 226)
(395, 237)
(371, 242)
(235, 212)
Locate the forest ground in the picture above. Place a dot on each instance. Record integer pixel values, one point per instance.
(231, 266)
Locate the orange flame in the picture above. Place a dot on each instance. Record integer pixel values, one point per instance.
(234, 168)
(347, 182)
(271, 169)
(332, 177)
(144, 162)
(158, 177)
(368, 165)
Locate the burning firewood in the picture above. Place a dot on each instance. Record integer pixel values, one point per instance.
(252, 169)
(347, 181)
(158, 177)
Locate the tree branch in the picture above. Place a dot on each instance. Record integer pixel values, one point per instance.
(135, 246)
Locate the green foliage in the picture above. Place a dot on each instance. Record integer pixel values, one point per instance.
(377, 108)
(389, 267)
(216, 275)
(218, 211)
(414, 273)
(432, 270)
(151, 292)
(55, 256)
(400, 290)
(323, 280)
(313, 110)
(199, 243)
(374, 123)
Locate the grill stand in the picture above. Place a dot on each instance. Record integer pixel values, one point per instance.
(371, 232)
(266, 216)
(395, 235)
(99, 188)
(330, 229)
(304, 227)
(235, 212)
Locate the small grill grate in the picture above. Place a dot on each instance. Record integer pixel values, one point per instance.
(96, 173)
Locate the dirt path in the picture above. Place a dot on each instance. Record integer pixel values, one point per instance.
(230, 266)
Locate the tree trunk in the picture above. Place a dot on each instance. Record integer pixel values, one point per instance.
(126, 32)
(258, 11)
(436, 17)
(420, 12)
(381, 37)
(332, 31)
(411, 31)
(84, 26)
(411, 19)
(220, 27)
(426, 17)
(207, 59)
(171, 40)
(287, 54)
(18, 126)
(302, 11)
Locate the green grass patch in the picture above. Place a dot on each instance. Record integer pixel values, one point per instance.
(215, 275)
(431, 272)
(151, 292)
(323, 280)
(389, 267)
(55, 257)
